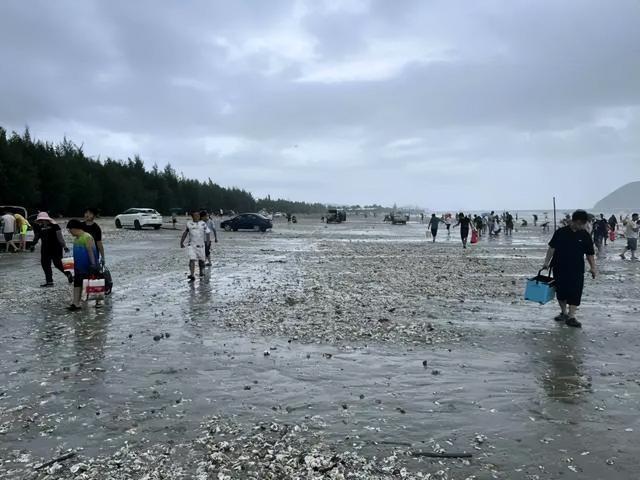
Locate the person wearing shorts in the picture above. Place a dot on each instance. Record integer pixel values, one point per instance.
(22, 227)
(565, 256)
(85, 260)
(465, 224)
(434, 223)
(631, 229)
(195, 232)
(204, 216)
(9, 230)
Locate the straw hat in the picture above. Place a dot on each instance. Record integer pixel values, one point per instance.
(44, 216)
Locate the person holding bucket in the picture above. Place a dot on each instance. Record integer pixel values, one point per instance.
(53, 244)
(565, 256)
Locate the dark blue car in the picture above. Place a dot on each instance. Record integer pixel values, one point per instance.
(247, 221)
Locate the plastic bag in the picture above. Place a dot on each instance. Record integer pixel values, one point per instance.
(108, 282)
(67, 264)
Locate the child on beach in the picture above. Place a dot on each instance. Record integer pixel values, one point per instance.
(85, 260)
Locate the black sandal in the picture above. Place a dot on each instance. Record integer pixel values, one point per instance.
(572, 322)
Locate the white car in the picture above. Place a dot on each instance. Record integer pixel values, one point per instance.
(138, 218)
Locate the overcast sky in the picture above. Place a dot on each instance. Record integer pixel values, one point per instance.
(443, 104)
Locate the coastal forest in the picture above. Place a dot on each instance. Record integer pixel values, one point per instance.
(61, 179)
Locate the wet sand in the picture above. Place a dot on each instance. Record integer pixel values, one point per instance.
(323, 331)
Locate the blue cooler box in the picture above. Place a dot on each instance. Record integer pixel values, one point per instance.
(540, 289)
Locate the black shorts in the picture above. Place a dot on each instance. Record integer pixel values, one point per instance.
(78, 278)
(8, 237)
(434, 231)
(569, 287)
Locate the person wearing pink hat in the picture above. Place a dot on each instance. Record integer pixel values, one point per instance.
(53, 244)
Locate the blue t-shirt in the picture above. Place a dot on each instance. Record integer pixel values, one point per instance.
(81, 259)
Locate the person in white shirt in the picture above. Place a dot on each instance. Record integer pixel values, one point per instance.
(196, 232)
(631, 234)
(204, 216)
(9, 230)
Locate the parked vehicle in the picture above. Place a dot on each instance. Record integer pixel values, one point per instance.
(396, 218)
(335, 215)
(139, 218)
(247, 221)
(22, 211)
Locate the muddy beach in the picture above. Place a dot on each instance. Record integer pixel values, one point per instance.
(319, 351)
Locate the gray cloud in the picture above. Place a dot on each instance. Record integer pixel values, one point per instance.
(443, 104)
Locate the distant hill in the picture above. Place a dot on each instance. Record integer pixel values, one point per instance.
(624, 198)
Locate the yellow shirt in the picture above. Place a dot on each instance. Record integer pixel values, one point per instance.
(22, 223)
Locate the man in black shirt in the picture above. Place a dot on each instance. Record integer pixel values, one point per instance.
(565, 257)
(600, 231)
(465, 223)
(94, 230)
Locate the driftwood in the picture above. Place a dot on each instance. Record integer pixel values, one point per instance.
(61, 458)
(441, 455)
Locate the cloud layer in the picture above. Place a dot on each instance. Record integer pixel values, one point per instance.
(443, 104)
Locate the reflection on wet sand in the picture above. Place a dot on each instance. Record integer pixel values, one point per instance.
(560, 358)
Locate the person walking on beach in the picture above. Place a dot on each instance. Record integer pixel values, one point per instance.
(92, 228)
(600, 232)
(85, 260)
(631, 234)
(535, 220)
(204, 216)
(447, 222)
(195, 231)
(613, 223)
(465, 223)
(565, 256)
(49, 233)
(9, 230)
(508, 222)
(434, 223)
(491, 220)
(478, 223)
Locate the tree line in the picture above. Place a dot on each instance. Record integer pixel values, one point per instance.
(62, 180)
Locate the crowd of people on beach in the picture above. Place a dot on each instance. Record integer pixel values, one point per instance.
(474, 227)
(580, 235)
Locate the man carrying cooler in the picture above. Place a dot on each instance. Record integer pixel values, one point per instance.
(565, 257)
